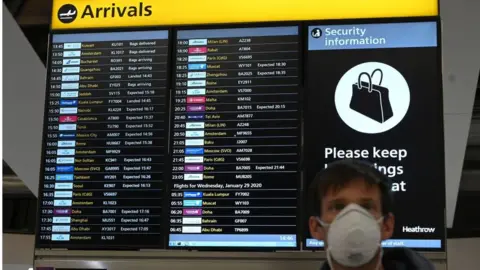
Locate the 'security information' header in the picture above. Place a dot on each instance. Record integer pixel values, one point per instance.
(372, 36)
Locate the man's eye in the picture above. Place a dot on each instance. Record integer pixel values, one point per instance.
(338, 206)
(367, 206)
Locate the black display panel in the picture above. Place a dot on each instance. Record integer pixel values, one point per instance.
(374, 93)
(105, 141)
(235, 138)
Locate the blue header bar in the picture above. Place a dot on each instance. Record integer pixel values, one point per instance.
(239, 32)
(112, 36)
(393, 243)
(232, 237)
(372, 36)
(232, 240)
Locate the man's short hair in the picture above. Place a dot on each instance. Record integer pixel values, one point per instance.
(339, 174)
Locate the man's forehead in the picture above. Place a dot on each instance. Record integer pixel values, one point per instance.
(356, 187)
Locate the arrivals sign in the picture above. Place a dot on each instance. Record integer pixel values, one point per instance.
(75, 14)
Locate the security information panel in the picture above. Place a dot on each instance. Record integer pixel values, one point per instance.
(374, 93)
(105, 140)
(235, 138)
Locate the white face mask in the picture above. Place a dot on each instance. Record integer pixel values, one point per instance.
(353, 237)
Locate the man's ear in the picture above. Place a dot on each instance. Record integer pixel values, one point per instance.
(388, 225)
(316, 231)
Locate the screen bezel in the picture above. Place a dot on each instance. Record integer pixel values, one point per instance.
(302, 199)
(435, 19)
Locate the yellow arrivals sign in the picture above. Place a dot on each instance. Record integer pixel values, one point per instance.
(75, 14)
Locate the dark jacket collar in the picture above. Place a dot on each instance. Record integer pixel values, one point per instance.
(400, 259)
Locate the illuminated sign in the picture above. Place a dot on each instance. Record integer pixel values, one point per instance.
(74, 14)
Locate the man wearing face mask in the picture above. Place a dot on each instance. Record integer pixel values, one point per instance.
(351, 205)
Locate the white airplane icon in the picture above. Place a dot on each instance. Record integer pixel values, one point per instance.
(68, 14)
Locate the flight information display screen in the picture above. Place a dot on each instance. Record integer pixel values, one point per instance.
(235, 138)
(374, 93)
(105, 141)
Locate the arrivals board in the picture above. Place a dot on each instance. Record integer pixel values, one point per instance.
(235, 138)
(105, 141)
(211, 161)
(379, 99)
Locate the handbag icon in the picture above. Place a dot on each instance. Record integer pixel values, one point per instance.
(371, 100)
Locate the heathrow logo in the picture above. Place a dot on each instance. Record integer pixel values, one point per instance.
(67, 13)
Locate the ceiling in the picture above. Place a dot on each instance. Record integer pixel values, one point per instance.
(30, 12)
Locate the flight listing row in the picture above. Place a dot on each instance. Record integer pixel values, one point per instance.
(93, 50)
(69, 96)
(129, 68)
(92, 44)
(86, 108)
(274, 55)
